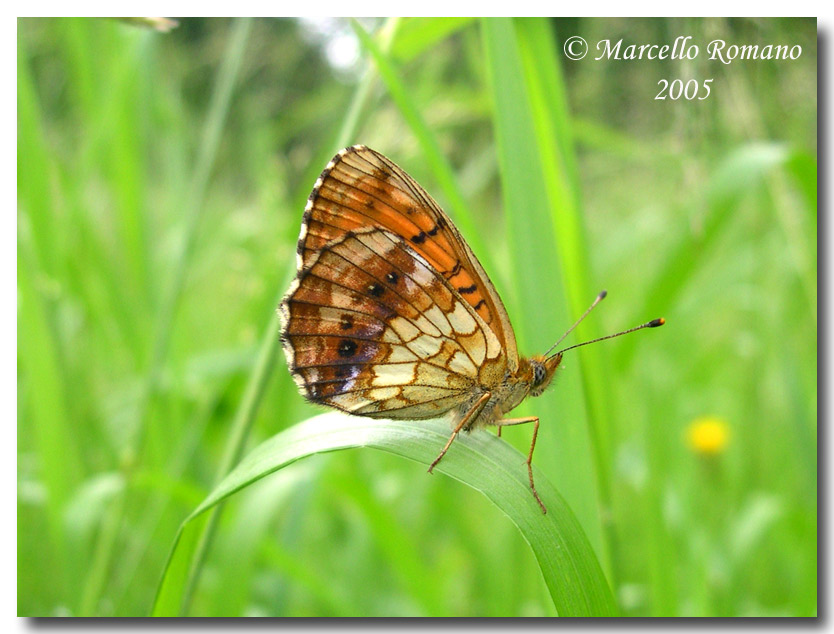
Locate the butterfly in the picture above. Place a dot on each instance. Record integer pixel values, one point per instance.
(392, 316)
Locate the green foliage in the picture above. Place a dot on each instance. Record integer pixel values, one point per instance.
(161, 178)
(575, 580)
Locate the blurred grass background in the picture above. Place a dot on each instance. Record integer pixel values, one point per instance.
(161, 179)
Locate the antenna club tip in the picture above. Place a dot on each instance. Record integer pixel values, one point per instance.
(602, 294)
(654, 323)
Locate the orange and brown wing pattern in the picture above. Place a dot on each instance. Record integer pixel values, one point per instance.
(371, 328)
(361, 188)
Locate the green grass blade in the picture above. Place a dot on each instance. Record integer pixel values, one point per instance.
(419, 34)
(480, 460)
(171, 592)
(35, 167)
(237, 437)
(219, 108)
(44, 394)
(538, 275)
(554, 138)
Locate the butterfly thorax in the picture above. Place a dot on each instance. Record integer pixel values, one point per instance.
(531, 378)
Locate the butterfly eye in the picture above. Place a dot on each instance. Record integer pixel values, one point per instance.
(539, 374)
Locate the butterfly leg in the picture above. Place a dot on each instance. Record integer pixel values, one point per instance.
(520, 421)
(476, 408)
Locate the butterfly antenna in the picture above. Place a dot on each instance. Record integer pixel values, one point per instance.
(599, 298)
(654, 323)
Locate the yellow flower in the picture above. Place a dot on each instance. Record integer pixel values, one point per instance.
(708, 435)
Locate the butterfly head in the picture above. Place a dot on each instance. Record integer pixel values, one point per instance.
(543, 369)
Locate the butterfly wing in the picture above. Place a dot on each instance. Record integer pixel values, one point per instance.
(361, 188)
(372, 328)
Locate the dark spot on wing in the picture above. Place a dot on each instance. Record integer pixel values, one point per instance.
(346, 323)
(420, 238)
(392, 277)
(465, 290)
(347, 348)
(376, 290)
